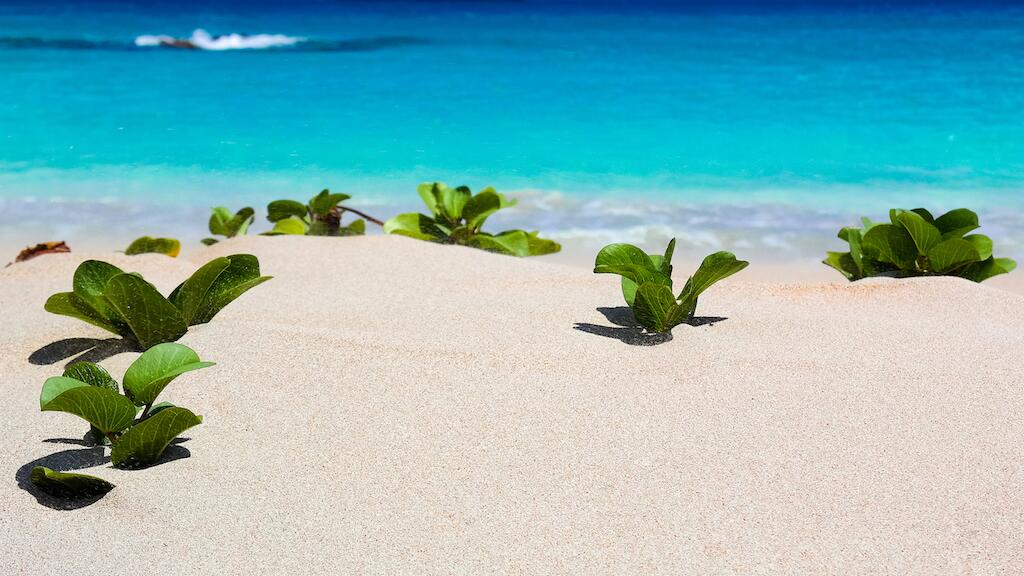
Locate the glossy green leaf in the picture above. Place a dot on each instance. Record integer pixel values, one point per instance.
(714, 268)
(68, 485)
(151, 372)
(924, 235)
(90, 282)
(843, 262)
(924, 214)
(653, 305)
(190, 295)
(952, 253)
(150, 245)
(241, 274)
(480, 207)
(151, 317)
(428, 192)
(981, 243)
(981, 271)
(70, 304)
(106, 410)
(289, 227)
(224, 223)
(146, 441)
(281, 209)
(956, 223)
(513, 243)
(892, 244)
(92, 374)
(451, 202)
(356, 228)
(415, 226)
(324, 202)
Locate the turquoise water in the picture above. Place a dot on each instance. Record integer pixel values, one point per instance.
(604, 119)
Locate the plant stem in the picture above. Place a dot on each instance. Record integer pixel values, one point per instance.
(363, 214)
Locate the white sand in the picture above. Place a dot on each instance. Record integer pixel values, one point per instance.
(389, 406)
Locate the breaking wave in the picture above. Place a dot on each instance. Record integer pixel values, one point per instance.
(203, 41)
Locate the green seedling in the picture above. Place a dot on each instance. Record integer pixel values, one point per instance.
(917, 244)
(320, 217)
(647, 282)
(457, 216)
(137, 428)
(149, 245)
(126, 304)
(223, 223)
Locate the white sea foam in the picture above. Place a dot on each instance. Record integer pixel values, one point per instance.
(202, 40)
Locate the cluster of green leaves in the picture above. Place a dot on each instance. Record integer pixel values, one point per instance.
(647, 282)
(457, 217)
(126, 304)
(320, 217)
(915, 243)
(150, 245)
(224, 223)
(137, 427)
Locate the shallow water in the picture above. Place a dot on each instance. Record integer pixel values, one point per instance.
(730, 126)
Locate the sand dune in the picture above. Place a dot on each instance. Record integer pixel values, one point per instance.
(392, 406)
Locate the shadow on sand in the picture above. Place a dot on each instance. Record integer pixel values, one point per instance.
(81, 350)
(627, 329)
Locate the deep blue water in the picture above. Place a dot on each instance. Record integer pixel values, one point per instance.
(604, 117)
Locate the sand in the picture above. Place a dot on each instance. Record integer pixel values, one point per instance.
(389, 406)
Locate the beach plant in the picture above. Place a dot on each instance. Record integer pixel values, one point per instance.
(457, 216)
(150, 245)
(321, 216)
(126, 304)
(647, 282)
(915, 243)
(224, 223)
(133, 423)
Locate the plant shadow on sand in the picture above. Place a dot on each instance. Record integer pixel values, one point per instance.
(629, 331)
(79, 459)
(81, 349)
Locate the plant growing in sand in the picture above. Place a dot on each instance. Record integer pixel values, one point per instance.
(126, 304)
(915, 243)
(457, 217)
(149, 245)
(321, 216)
(224, 223)
(647, 282)
(137, 427)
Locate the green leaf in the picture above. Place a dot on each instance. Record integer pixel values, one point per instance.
(666, 260)
(150, 245)
(924, 235)
(147, 440)
(622, 255)
(68, 485)
(190, 295)
(288, 226)
(89, 284)
(952, 253)
(956, 223)
(428, 192)
(92, 374)
(324, 202)
(70, 304)
(540, 246)
(241, 274)
(480, 207)
(151, 317)
(653, 305)
(209, 241)
(356, 228)
(451, 201)
(843, 262)
(924, 214)
(282, 209)
(416, 226)
(222, 222)
(892, 244)
(981, 243)
(513, 243)
(981, 271)
(714, 268)
(151, 372)
(106, 410)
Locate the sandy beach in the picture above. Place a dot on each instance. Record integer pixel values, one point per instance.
(389, 406)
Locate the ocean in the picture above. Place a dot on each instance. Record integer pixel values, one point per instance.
(750, 126)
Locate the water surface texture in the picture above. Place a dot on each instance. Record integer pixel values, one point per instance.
(608, 119)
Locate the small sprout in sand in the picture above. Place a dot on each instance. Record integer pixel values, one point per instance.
(647, 282)
(223, 223)
(68, 485)
(150, 245)
(126, 304)
(320, 217)
(917, 244)
(134, 424)
(457, 217)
